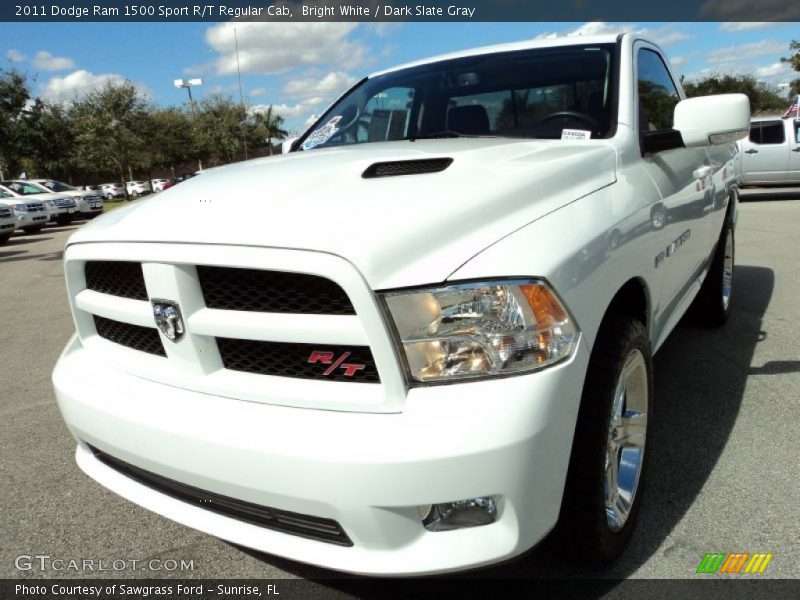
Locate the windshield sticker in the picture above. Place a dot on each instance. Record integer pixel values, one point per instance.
(323, 134)
(575, 134)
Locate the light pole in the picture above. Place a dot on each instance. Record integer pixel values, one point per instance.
(188, 83)
(241, 96)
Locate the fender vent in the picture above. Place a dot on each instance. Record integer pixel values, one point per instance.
(406, 167)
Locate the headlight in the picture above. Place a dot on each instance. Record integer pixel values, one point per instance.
(21, 208)
(481, 329)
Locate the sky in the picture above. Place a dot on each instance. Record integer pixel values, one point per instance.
(301, 67)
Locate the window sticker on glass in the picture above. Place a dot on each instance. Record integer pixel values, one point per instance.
(575, 134)
(323, 134)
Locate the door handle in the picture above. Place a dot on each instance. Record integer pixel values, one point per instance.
(796, 149)
(702, 172)
(751, 151)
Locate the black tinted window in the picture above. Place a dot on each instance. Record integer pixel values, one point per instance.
(767, 132)
(657, 92)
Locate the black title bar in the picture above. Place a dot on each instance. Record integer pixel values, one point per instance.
(398, 10)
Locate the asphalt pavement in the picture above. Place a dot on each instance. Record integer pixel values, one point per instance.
(724, 449)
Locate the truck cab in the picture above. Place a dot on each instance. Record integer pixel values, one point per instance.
(770, 155)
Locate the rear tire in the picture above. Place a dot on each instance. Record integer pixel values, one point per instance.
(712, 306)
(64, 219)
(4, 239)
(607, 466)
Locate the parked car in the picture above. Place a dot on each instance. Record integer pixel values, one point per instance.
(30, 215)
(422, 353)
(137, 188)
(157, 185)
(112, 190)
(770, 155)
(88, 203)
(61, 208)
(8, 220)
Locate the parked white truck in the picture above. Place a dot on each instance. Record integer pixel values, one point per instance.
(770, 154)
(8, 221)
(426, 352)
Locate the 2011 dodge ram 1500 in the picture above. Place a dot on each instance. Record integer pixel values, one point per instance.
(432, 344)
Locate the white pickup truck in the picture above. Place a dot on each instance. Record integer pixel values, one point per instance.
(432, 347)
(770, 155)
(8, 221)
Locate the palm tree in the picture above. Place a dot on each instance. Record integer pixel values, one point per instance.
(267, 125)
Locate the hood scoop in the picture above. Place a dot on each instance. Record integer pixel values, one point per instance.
(406, 167)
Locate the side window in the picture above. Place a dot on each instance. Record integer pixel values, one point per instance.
(386, 115)
(657, 92)
(797, 132)
(755, 133)
(771, 133)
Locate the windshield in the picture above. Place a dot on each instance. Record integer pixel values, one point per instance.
(536, 93)
(25, 188)
(58, 186)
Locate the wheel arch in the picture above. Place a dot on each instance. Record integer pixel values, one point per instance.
(632, 299)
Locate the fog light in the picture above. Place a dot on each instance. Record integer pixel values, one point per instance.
(462, 513)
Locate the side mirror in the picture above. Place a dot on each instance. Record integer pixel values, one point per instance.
(719, 119)
(286, 145)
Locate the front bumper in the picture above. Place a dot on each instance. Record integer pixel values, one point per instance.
(509, 438)
(31, 219)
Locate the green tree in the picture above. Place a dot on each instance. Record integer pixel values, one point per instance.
(794, 60)
(268, 126)
(48, 142)
(171, 139)
(14, 97)
(762, 97)
(108, 123)
(218, 126)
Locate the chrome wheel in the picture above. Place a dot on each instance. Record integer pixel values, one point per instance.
(627, 433)
(727, 271)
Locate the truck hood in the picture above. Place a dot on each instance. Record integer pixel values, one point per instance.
(397, 230)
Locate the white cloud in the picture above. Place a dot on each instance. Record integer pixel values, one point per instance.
(15, 56)
(329, 86)
(664, 35)
(287, 111)
(776, 73)
(746, 25)
(257, 92)
(270, 48)
(47, 62)
(742, 52)
(78, 83)
(678, 61)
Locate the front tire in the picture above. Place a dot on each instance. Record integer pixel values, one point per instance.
(607, 466)
(4, 239)
(34, 229)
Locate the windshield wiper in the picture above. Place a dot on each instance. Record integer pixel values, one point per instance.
(445, 133)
